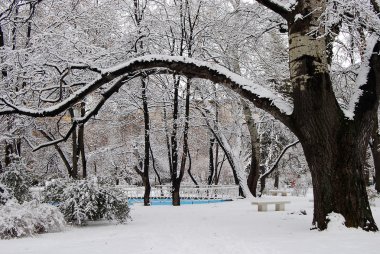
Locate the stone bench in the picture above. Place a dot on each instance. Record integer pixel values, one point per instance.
(282, 192)
(262, 205)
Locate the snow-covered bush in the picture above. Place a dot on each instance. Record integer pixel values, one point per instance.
(53, 192)
(4, 194)
(17, 180)
(19, 220)
(84, 200)
(114, 204)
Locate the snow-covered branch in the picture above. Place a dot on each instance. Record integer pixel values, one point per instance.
(82, 120)
(8, 8)
(366, 80)
(282, 9)
(274, 166)
(258, 95)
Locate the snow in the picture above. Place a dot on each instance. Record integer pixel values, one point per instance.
(298, 17)
(228, 227)
(361, 78)
(336, 222)
(289, 5)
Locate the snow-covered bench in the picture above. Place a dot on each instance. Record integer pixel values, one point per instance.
(262, 205)
(282, 192)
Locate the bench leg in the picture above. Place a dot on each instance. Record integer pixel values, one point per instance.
(262, 207)
(274, 194)
(284, 194)
(280, 207)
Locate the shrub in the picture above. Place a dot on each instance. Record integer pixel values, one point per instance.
(53, 192)
(115, 206)
(84, 200)
(17, 180)
(19, 220)
(4, 194)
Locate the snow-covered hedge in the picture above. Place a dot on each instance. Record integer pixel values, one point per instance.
(84, 200)
(17, 180)
(19, 220)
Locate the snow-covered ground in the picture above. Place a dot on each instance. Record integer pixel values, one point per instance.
(229, 227)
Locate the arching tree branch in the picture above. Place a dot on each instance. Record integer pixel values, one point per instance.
(258, 95)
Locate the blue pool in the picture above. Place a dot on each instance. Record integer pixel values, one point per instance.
(168, 201)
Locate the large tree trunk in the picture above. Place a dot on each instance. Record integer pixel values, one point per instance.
(334, 146)
(338, 182)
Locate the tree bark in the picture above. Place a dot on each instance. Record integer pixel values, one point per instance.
(138, 17)
(276, 179)
(146, 144)
(154, 166)
(60, 153)
(375, 149)
(334, 146)
(8, 153)
(75, 150)
(81, 141)
(211, 161)
(254, 167)
(167, 139)
(189, 170)
(185, 148)
(2, 44)
(216, 144)
(174, 145)
(217, 177)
